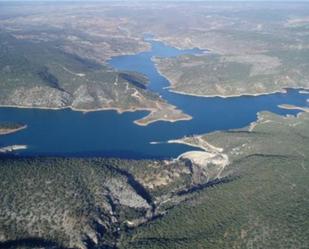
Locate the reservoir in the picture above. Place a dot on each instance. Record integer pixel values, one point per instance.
(109, 134)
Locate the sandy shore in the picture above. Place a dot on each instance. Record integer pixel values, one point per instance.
(118, 110)
(293, 107)
(304, 92)
(172, 89)
(10, 131)
(139, 122)
(12, 148)
(199, 143)
(229, 96)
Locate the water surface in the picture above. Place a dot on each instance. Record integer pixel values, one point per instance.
(107, 133)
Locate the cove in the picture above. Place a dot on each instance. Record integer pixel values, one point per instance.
(109, 134)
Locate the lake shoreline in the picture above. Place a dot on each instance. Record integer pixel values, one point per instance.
(294, 107)
(117, 110)
(171, 88)
(107, 134)
(8, 131)
(12, 148)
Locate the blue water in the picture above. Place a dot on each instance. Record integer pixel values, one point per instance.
(106, 133)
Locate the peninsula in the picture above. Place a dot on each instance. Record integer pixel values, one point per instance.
(45, 77)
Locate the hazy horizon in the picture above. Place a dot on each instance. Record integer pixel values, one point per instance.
(153, 1)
